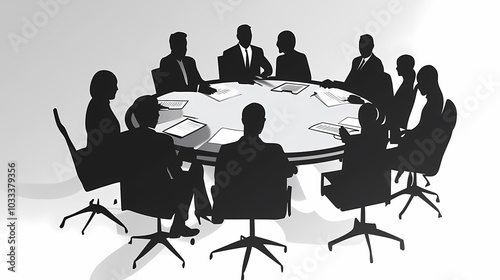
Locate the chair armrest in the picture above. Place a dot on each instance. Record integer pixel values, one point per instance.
(289, 204)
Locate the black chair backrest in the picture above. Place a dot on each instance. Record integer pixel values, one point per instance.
(94, 169)
(246, 189)
(222, 65)
(436, 143)
(159, 81)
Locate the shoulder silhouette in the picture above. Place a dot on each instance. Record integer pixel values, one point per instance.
(292, 65)
(178, 71)
(243, 62)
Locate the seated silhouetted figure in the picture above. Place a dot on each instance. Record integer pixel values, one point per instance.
(365, 148)
(153, 182)
(179, 72)
(402, 103)
(255, 162)
(366, 71)
(292, 65)
(243, 62)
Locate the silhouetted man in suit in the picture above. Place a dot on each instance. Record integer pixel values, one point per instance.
(242, 166)
(292, 65)
(147, 159)
(179, 72)
(243, 62)
(365, 72)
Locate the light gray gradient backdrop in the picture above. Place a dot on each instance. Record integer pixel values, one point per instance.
(48, 58)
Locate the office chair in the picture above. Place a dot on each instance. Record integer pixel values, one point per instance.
(258, 191)
(364, 180)
(91, 176)
(358, 194)
(159, 81)
(431, 161)
(223, 68)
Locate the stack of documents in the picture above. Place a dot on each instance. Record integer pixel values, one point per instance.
(293, 88)
(173, 104)
(184, 128)
(223, 92)
(331, 96)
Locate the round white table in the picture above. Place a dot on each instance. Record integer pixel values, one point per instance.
(288, 119)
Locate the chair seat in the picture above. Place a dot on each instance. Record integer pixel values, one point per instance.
(352, 191)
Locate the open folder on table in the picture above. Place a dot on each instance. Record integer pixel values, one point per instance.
(331, 96)
(184, 128)
(293, 88)
(223, 92)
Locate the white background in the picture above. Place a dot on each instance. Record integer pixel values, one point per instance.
(48, 57)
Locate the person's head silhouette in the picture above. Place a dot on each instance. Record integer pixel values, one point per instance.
(244, 35)
(178, 44)
(103, 85)
(366, 45)
(253, 118)
(427, 79)
(286, 41)
(405, 64)
(145, 110)
(368, 116)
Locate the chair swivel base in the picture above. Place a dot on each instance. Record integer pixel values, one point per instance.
(94, 209)
(250, 242)
(413, 190)
(366, 229)
(159, 237)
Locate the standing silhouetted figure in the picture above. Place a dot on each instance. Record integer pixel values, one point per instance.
(243, 62)
(366, 71)
(292, 65)
(179, 71)
(403, 100)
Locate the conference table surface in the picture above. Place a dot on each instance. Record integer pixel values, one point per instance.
(288, 119)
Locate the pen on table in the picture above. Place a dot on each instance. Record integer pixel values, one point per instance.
(190, 117)
(313, 94)
(257, 83)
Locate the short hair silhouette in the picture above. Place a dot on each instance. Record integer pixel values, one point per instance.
(244, 35)
(286, 41)
(366, 45)
(145, 110)
(427, 79)
(368, 115)
(177, 38)
(253, 118)
(103, 85)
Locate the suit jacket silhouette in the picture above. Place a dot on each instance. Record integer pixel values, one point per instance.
(146, 186)
(293, 66)
(361, 81)
(247, 171)
(174, 80)
(235, 63)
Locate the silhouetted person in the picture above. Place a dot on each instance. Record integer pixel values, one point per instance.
(402, 103)
(366, 70)
(248, 161)
(243, 62)
(179, 71)
(148, 157)
(366, 147)
(292, 65)
(427, 84)
(101, 124)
